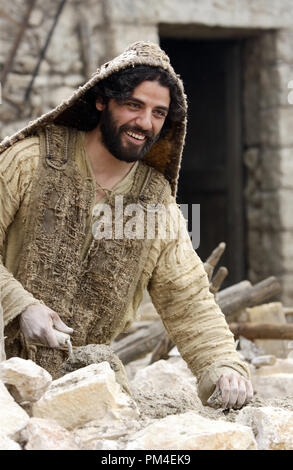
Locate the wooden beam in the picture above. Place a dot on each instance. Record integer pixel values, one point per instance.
(254, 295)
(262, 330)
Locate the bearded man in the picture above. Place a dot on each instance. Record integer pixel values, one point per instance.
(120, 135)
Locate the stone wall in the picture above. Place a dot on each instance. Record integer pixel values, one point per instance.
(268, 68)
(89, 32)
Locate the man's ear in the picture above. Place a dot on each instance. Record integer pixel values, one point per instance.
(100, 105)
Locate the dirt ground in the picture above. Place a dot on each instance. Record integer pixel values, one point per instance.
(159, 405)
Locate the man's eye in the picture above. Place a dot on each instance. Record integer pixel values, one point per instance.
(133, 105)
(161, 114)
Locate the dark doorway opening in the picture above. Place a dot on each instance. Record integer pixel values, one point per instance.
(212, 169)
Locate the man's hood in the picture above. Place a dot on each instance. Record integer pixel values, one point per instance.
(165, 154)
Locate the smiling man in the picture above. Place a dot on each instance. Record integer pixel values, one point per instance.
(121, 135)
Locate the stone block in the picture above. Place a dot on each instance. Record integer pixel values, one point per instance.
(271, 169)
(286, 238)
(85, 395)
(285, 156)
(251, 158)
(74, 80)
(273, 386)
(281, 366)
(8, 444)
(44, 434)
(63, 49)
(267, 44)
(269, 126)
(210, 12)
(125, 34)
(269, 313)
(164, 376)
(55, 97)
(273, 427)
(190, 431)
(97, 436)
(264, 253)
(274, 80)
(286, 281)
(276, 126)
(284, 40)
(255, 254)
(277, 210)
(30, 380)
(285, 126)
(286, 204)
(12, 417)
(95, 354)
(36, 18)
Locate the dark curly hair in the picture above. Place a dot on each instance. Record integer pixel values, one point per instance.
(120, 86)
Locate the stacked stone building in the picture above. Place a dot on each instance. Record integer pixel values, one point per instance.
(89, 32)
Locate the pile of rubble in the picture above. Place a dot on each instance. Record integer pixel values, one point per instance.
(99, 407)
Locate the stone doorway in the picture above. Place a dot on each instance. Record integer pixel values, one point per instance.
(212, 173)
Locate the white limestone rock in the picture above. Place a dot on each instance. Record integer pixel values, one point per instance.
(8, 444)
(281, 366)
(97, 436)
(190, 431)
(30, 380)
(273, 427)
(273, 386)
(12, 417)
(44, 434)
(87, 394)
(170, 375)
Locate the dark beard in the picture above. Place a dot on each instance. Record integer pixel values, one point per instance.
(111, 138)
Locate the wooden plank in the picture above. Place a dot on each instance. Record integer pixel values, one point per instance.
(263, 332)
(255, 295)
(140, 343)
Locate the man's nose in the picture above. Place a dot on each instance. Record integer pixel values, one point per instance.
(144, 120)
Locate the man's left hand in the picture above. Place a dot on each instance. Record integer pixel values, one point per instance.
(233, 391)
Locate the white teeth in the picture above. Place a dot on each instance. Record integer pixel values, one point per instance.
(136, 136)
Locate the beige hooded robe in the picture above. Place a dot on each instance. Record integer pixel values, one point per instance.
(95, 287)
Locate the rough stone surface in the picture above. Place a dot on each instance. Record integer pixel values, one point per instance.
(8, 444)
(95, 354)
(43, 434)
(273, 427)
(163, 376)
(271, 386)
(230, 13)
(281, 366)
(97, 436)
(30, 380)
(158, 405)
(84, 395)
(190, 431)
(12, 417)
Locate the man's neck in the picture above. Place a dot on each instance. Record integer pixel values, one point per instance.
(107, 169)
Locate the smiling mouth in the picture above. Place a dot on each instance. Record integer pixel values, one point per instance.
(135, 137)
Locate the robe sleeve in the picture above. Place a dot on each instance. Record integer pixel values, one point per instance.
(179, 288)
(17, 165)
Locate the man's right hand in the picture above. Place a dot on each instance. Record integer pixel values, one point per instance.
(37, 323)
